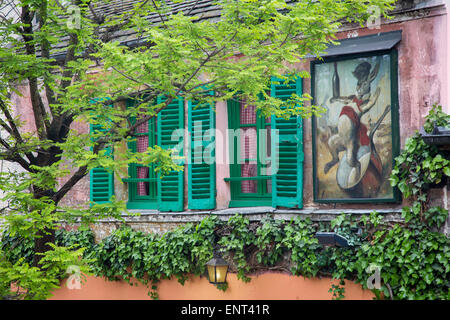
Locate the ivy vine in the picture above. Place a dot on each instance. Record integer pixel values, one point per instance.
(414, 263)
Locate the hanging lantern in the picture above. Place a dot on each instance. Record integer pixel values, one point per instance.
(217, 270)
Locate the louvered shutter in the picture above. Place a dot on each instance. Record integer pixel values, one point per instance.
(170, 187)
(202, 169)
(287, 181)
(101, 180)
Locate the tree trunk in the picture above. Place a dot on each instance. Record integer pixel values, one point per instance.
(41, 244)
(43, 237)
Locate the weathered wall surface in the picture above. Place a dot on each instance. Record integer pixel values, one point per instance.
(424, 69)
(268, 286)
(446, 99)
(422, 53)
(23, 110)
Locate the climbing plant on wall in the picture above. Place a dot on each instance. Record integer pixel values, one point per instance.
(412, 256)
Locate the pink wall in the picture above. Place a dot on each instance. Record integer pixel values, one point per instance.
(222, 155)
(270, 286)
(446, 39)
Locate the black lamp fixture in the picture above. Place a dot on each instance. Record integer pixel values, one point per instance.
(217, 267)
(440, 136)
(331, 239)
(217, 270)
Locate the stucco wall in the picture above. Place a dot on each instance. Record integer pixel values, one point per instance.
(446, 95)
(268, 286)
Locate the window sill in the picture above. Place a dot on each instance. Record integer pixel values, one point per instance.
(252, 213)
(250, 203)
(142, 205)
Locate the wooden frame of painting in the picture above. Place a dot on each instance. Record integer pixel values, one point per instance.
(357, 139)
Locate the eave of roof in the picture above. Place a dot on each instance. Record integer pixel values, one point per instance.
(203, 10)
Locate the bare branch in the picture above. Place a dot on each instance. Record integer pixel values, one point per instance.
(192, 8)
(12, 129)
(77, 176)
(159, 14)
(131, 78)
(97, 19)
(13, 155)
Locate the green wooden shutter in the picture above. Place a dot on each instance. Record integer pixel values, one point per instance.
(101, 186)
(171, 186)
(201, 170)
(287, 181)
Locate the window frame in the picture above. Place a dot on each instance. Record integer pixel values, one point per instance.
(394, 114)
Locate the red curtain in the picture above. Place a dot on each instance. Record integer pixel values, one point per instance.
(142, 145)
(248, 148)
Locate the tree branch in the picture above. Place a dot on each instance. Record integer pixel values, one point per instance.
(12, 154)
(12, 129)
(45, 53)
(36, 101)
(131, 78)
(77, 176)
(159, 14)
(192, 8)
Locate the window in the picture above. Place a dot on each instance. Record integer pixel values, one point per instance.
(142, 186)
(266, 169)
(147, 189)
(266, 154)
(356, 141)
(250, 179)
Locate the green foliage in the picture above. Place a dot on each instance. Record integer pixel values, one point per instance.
(238, 241)
(341, 259)
(127, 254)
(436, 117)
(415, 264)
(338, 290)
(120, 251)
(79, 238)
(417, 167)
(414, 257)
(300, 241)
(268, 240)
(20, 280)
(56, 262)
(15, 248)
